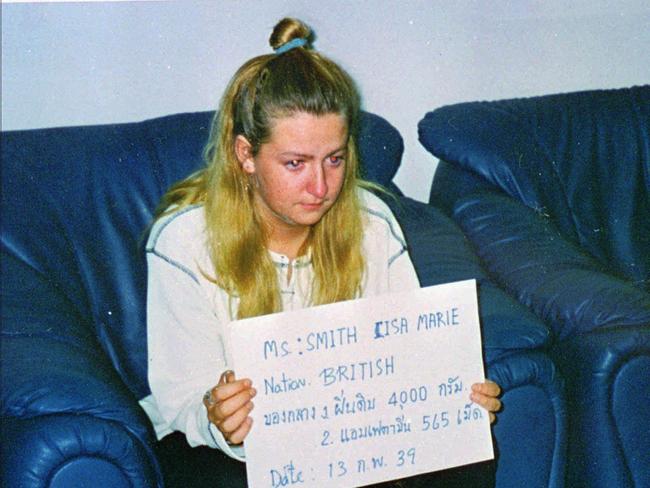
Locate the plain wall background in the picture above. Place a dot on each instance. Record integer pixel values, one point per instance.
(102, 62)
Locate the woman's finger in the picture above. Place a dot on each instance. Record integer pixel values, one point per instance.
(233, 422)
(240, 434)
(489, 388)
(223, 391)
(222, 410)
(489, 403)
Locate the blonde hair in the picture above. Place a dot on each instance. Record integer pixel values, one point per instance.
(265, 88)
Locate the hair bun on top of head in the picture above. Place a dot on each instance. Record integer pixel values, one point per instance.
(289, 34)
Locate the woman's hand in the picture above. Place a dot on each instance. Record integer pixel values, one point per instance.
(485, 394)
(229, 404)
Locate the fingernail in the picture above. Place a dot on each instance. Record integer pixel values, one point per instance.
(253, 392)
(250, 405)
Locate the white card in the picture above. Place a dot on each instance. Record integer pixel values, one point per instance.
(364, 391)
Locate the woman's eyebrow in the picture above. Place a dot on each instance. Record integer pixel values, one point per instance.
(295, 154)
(343, 148)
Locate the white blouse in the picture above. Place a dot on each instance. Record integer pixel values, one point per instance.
(187, 314)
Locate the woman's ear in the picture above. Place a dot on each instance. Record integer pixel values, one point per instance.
(244, 153)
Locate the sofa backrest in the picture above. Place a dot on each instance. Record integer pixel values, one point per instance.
(582, 158)
(76, 206)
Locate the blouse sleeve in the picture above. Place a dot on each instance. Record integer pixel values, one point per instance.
(185, 350)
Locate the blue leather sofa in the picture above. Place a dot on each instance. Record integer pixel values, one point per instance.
(76, 205)
(554, 194)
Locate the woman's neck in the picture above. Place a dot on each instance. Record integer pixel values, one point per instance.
(288, 241)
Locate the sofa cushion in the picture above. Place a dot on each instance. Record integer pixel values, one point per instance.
(565, 286)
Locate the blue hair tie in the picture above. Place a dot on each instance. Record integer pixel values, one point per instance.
(292, 44)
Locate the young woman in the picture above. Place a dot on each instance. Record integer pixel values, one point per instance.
(278, 219)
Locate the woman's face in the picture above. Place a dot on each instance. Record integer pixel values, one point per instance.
(298, 173)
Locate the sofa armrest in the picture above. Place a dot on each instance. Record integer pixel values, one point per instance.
(65, 450)
(65, 410)
(565, 286)
(530, 432)
(50, 361)
(54, 374)
(47, 376)
(607, 384)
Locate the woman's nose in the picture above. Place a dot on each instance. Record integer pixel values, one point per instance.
(318, 183)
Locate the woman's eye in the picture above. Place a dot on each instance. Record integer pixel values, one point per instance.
(293, 165)
(336, 160)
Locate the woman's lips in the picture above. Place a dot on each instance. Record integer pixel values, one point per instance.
(312, 206)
